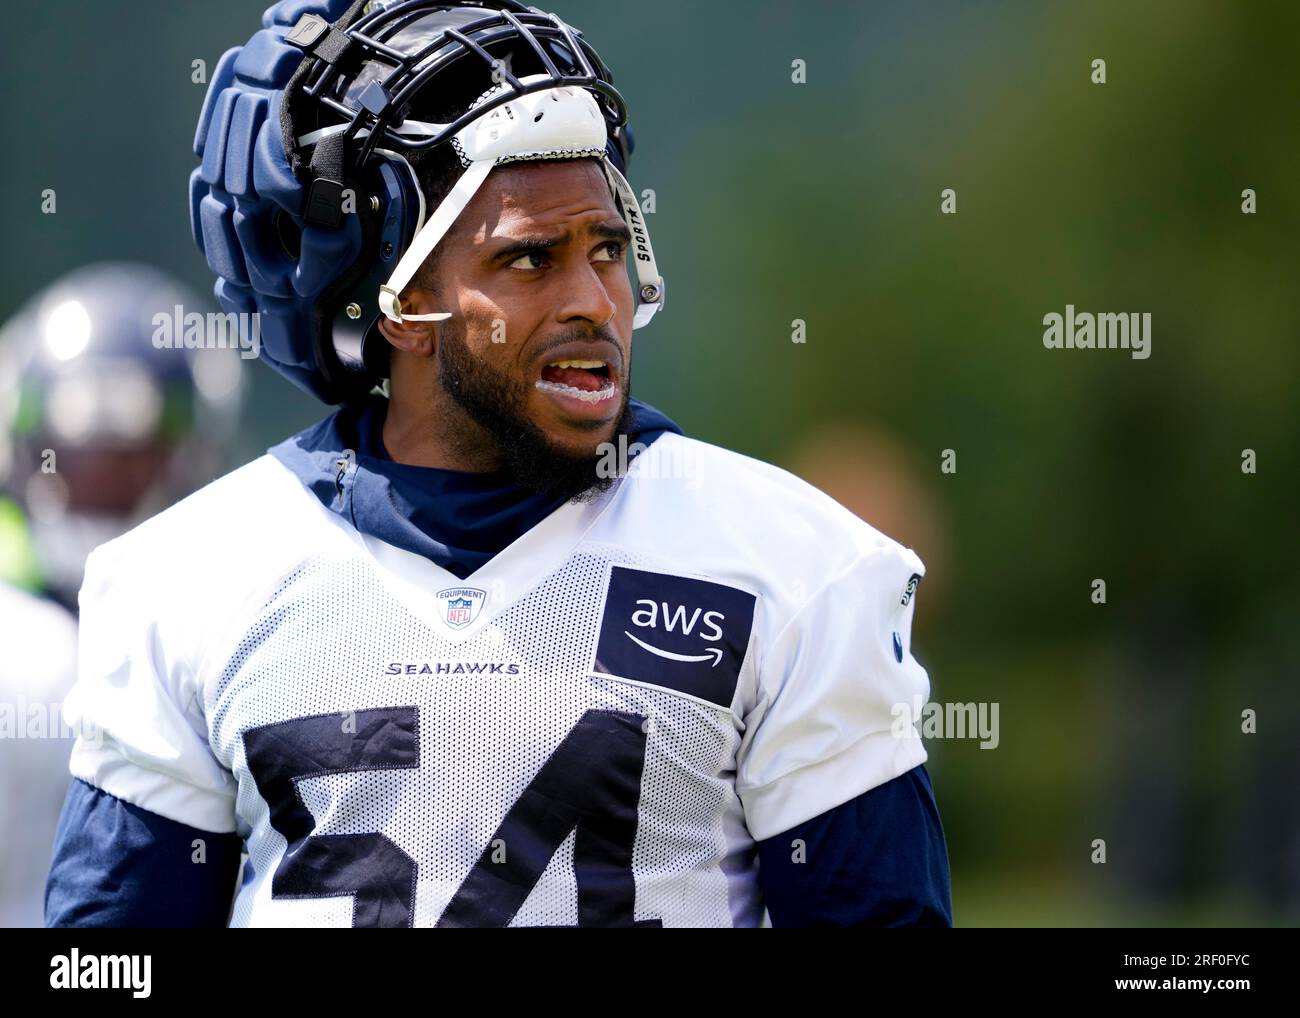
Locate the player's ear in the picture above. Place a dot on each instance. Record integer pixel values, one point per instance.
(419, 338)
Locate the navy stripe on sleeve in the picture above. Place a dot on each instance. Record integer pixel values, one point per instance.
(118, 865)
(877, 860)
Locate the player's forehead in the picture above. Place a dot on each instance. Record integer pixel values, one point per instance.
(520, 199)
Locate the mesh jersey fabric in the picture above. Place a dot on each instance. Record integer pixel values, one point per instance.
(303, 686)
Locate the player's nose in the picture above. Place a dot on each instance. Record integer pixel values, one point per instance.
(585, 295)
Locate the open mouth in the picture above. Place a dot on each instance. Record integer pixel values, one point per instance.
(588, 380)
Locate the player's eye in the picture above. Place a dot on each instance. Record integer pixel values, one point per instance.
(540, 256)
(614, 248)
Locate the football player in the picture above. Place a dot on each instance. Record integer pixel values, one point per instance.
(494, 644)
(99, 429)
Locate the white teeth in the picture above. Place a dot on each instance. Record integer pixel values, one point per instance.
(576, 364)
(598, 396)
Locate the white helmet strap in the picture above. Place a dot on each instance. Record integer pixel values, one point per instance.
(426, 239)
(650, 285)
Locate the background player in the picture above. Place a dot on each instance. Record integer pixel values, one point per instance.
(99, 429)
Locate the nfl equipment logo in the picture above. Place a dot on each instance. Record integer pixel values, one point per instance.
(461, 605)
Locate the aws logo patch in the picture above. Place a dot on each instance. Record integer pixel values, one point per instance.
(675, 631)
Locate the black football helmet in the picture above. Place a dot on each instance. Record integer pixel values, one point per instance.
(307, 203)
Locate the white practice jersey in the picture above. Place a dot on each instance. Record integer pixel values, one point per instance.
(592, 729)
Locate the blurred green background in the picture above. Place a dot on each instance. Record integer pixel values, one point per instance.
(820, 201)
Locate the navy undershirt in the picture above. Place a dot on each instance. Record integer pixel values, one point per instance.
(457, 519)
(876, 860)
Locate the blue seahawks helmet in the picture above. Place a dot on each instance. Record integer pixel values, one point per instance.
(112, 407)
(308, 205)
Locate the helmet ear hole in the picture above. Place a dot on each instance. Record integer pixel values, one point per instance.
(289, 234)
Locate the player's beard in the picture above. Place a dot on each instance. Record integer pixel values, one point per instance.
(498, 403)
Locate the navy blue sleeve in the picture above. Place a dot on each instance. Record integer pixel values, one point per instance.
(877, 860)
(118, 865)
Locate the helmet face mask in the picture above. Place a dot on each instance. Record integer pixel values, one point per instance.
(382, 90)
(461, 51)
